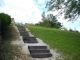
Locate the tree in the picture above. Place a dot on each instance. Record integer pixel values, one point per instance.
(43, 16)
(52, 19)
(46, 23)
(39, 23)
(58, 25)
(70, 8)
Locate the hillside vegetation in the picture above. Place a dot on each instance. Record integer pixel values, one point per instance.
(65, 42)
(8, 51)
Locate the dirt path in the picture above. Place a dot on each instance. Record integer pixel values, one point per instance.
(23, 48)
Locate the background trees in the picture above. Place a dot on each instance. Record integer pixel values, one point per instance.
(70, 8)
(49, 21)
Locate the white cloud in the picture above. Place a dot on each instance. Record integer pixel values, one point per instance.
(29, 11)
(23, 10)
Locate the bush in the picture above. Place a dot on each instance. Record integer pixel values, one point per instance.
(71, 30)
(5, 21)
(46, 23)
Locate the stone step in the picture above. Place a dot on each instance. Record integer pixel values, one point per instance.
(19, 26)
(24, 33)
(41, 55)
(39, 51)
(21, 29)
(37, 47)
(29, 39)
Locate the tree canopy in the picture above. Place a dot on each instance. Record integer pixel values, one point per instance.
(49, 21)
(70, 8)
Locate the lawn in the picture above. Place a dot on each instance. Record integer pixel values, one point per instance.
(67, 43)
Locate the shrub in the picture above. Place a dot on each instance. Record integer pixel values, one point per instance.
(5, 21)
(71, 30)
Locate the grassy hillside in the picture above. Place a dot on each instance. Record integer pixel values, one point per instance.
(67, 43)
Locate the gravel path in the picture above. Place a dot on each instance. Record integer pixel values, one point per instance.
(24, 48)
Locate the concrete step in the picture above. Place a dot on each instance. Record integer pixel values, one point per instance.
(39, 51)
(41, 55)
(24, 33)
(37, 47)
(29, 39)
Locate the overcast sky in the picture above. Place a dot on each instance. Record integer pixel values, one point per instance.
(29, 11)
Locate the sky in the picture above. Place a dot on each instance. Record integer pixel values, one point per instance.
(25, 11)
(29, 11)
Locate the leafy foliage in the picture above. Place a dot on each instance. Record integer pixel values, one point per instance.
(70, 8)
(5, 21)
(49, 21)
(46, 23)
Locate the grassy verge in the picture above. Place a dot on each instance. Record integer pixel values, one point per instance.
(7, 50)
(67, 43)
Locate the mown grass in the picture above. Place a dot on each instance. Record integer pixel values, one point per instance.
(67, 43)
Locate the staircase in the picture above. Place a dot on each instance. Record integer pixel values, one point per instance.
(36, 51)
(29, 39)
(39, 51)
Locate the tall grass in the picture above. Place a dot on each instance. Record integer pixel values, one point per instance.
(7, 50)
(67, 43)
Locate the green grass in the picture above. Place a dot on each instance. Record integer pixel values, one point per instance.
(67, 43)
